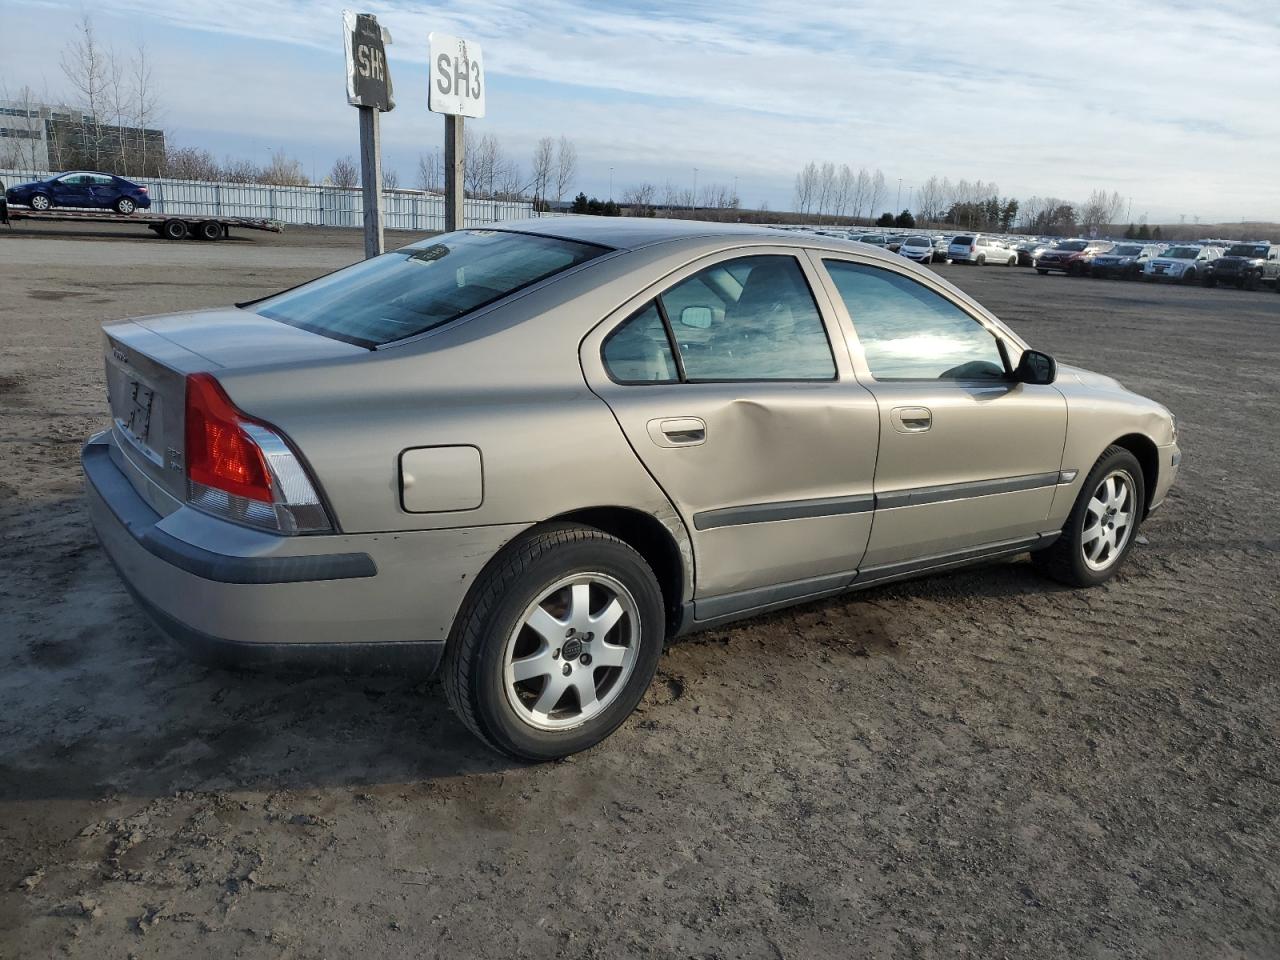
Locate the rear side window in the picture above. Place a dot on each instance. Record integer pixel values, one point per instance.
(751, 318)
(639, 351)
(424, 285)
(909, 332)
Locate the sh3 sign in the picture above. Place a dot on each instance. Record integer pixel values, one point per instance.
(368, 79)
(457, 76)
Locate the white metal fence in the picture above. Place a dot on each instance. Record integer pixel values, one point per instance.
(317, 206)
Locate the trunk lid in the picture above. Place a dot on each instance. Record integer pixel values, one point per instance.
(147, 362)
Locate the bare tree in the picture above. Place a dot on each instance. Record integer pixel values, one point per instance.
(283, 171)
(806, 187)
(566, 166)
(876, 192)
(238, 170)
(390, 179)
(89, 67)
(544, 158)
(23, 153)
(639, 199)
(431, 171)
(929, 201)
(191, 163)
(826, 189)
(1101, 208)
(344, 172)
(145, 108)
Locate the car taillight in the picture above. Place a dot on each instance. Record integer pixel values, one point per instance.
(142, 189)
(242, 469)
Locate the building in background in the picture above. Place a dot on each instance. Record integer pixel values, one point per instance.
(41, 136)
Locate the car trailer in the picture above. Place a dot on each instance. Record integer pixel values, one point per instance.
(163, 225)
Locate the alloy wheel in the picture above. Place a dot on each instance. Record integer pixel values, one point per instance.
(572, 652)
(1109, 520)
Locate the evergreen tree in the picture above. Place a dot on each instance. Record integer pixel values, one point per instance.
(904, 219)
(579, 204)
(1143, 233)
(886, 220)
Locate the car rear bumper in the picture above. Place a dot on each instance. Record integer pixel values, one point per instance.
(240, 597)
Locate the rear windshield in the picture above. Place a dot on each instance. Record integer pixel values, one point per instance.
(1072, 246)
(963, 241)
(423, 285)
(917, 242)
(1247, 250)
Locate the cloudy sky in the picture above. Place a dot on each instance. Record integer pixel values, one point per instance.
(1174, 104)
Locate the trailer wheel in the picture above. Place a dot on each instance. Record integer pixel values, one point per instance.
(174, 229)
(209, 230)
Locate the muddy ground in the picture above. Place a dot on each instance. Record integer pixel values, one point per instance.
(974, 765)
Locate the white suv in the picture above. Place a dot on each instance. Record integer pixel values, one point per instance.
(980, 249)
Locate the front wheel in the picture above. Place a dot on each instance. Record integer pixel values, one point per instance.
(556, 643)
(1189, 276)
(40, 201)
(1101, 527)
(1043, 273)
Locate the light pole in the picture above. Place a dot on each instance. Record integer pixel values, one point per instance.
(898, 205)
(694, 201)
(611, 183)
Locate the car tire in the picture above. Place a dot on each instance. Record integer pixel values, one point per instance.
(40, 201)
(124, 206)
(1089, 551)
(1043, 273)
(174, 229)
(1189, 276)
(549, 568)
(982, 259)
(1251, 281)
(1210, 281)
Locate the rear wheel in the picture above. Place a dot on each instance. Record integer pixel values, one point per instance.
(174, 229)
(556, 643)
(209, 230)
(40, 201)
(125, 206)
(1102, 525)
(982, 259)
(1042, 272)
(1190, 275)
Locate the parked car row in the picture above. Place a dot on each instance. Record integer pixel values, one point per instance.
(1245, 265)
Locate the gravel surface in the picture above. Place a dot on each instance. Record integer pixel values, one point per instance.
(975, 765)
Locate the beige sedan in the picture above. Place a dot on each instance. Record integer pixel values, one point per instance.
(529, 454)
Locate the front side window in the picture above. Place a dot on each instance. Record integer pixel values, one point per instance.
(909, 332)
(424, 285)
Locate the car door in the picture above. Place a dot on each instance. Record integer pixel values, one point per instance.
(968, 458)
(102, 191)
(742, 404)
(69, 190)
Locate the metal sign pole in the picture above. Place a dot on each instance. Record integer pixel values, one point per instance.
(371, 180)
(454, 165)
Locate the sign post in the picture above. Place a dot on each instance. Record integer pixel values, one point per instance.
(457, 91)
(369, 90)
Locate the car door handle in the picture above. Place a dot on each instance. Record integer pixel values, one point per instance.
(678, 431)
(911, 419)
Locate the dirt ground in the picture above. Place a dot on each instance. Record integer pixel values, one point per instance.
(975, 765)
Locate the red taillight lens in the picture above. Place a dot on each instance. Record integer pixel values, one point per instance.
(219, 452)
(142, 189)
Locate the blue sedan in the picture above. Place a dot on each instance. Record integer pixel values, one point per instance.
(81, 189)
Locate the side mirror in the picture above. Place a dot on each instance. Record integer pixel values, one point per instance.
(697, 317)
(1036, 367)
